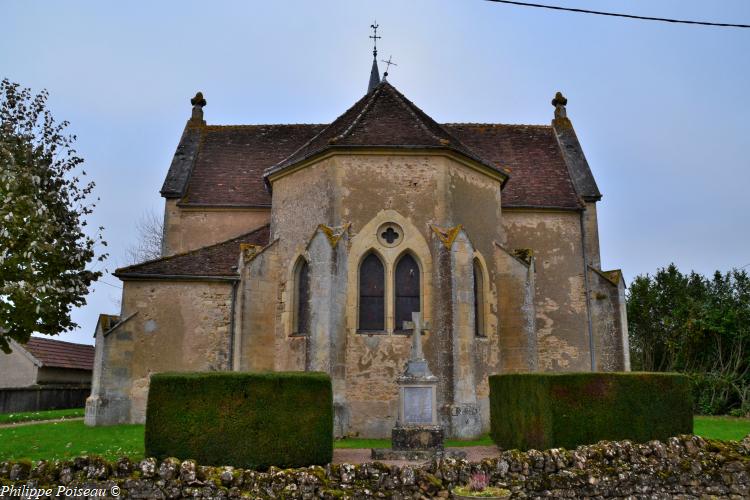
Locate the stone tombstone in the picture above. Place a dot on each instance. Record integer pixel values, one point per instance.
(417, 435)
(417, 385)
(417, 405)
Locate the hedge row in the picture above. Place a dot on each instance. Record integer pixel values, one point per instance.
(248, 420)
(541, 411)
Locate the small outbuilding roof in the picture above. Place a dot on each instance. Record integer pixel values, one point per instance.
(58, 354)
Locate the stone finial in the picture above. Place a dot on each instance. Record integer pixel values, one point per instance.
(559, 103)
(198, 102)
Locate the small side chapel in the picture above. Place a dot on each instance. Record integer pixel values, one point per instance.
(308, 247)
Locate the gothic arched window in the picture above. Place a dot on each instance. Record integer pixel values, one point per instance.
(478, 299)
(406, 290)
(371, 294)
(301, 297)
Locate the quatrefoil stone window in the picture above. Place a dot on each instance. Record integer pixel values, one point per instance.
(390, 234)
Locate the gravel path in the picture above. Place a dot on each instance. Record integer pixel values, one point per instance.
(34, 422)
(362, 455)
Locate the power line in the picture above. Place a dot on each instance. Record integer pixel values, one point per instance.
(628, 16)
(110, 284)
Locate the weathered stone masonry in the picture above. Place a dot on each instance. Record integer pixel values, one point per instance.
(247, 206)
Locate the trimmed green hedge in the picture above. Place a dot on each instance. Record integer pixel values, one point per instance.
(541, 410)
(248, 420)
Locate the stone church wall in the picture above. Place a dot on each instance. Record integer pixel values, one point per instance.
(560, 300)
(591, 224)
(168, 326)
(301, 201)
(422, 194)
(256, 348)
(517, 337)
(187, 228)
(607, 323)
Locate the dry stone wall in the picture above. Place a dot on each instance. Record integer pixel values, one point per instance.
(685, 467)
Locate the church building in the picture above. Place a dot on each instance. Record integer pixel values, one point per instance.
(308, 247)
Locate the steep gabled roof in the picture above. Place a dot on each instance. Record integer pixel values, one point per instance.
(58, 354)
(539, 176)
(214, 261)
(382, 118)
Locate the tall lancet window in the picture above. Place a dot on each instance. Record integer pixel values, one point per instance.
(372, 294)
(407, 290)
(478, 299)
(302, 297)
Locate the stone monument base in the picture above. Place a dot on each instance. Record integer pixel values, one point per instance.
(423, 437)
(423, 442)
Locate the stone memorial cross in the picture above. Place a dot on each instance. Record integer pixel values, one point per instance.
(416, 343)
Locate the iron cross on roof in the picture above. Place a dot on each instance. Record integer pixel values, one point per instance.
(375, 38)
(388, 65)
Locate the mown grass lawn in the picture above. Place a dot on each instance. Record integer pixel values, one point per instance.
(721, 427)
(61, 440)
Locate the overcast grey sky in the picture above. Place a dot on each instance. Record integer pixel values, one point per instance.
(661, 109)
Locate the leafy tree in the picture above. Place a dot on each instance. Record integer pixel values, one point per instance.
(696, 325)
(44, 251)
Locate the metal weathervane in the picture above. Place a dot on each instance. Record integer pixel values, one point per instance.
(375, 38)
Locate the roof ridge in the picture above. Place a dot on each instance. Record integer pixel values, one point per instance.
(490, 124)
(188, 252)
(433, 134)
(400, 98)
(250, 125)
(309, 141)
(359, 116)
(453, 142)
(43, 339)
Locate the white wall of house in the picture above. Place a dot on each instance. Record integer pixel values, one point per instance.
(17, 369)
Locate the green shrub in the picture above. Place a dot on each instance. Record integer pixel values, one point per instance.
(248, 420)
(540, 410)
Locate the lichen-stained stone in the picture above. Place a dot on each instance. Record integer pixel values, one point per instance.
(192, 320)
(500, 220)
(560, 295)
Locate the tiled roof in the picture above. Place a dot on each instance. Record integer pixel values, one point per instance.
(228, 168)
(219, 260)
(538, 174)
(59, 354)
(225, 165)
(384, 117)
